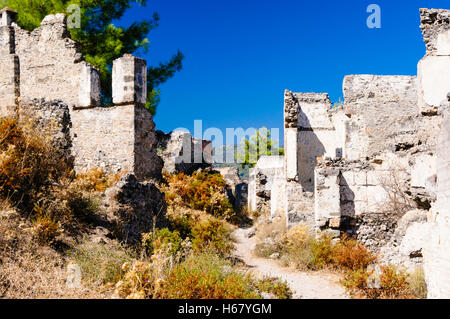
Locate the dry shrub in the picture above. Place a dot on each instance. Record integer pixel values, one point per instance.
(212, 236)
(207, 277)
(297, 243)
(202, 191)
(207, 233)
(417, 283)
(273, 228)
(46, 228)
(144, 279)
(350, 254)
(393, 283)
(96, 180)
(28, 163)
(275, 286)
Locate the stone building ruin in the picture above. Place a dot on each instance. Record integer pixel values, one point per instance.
(43, 71)
(375, 168)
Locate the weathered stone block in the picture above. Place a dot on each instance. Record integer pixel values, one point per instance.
(443, 43)
(89, 86)
(9, 84)
(437, 253)
(290, 145)
(7, 45)
(327, 201)
(129, 80)
(434, 81)
(423, 173)
(7, 16)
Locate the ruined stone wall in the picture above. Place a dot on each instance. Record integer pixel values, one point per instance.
(437, 253)
(104, 137)
(51, 66)
(183, 153)
(44, 65)
(360, 198)
(433, 69)
(382, 113)
(264, 180)
(312, 131)
(117, 139)
(52, 120)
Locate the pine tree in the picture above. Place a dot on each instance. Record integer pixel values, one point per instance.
(259, 144)
(100, 40)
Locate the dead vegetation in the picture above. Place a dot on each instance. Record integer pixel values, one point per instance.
(303, 249)
(48, 222)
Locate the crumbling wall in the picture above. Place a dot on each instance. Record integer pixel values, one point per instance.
(237, 189)
(51, 66)
(437, 253)
(183, 153)
(116, 139)
(382, 113)
(120, 138)
(52, 120)
(45, 65)
(433, 69)
(262, 180)
(312, 132)
(361, 198)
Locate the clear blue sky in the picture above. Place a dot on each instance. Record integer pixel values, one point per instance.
(242, 54)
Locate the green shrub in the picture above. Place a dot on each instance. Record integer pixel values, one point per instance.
(162, 238)
(212, 236)
(206, 276)
(322, 252)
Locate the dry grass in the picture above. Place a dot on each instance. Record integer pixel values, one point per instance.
(101, 263)
(268, 227)
(96, 180)
(299, 247)
(29, 270)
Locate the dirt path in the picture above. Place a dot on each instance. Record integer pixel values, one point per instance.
(304, 285)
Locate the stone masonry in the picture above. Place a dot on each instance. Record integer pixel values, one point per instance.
(45, 65)
(183, 153)
(376, 167)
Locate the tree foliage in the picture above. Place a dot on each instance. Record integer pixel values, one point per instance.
(100, 40)
(259, 144)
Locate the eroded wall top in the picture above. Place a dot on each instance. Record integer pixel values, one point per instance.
(435, 25)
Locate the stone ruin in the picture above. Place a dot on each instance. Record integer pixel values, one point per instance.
(43, 72)
(45, 78)
(376, 167)
(183, 153)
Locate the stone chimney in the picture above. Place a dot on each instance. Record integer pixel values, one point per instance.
(9, 64)
(129, 80)
(8, 16)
